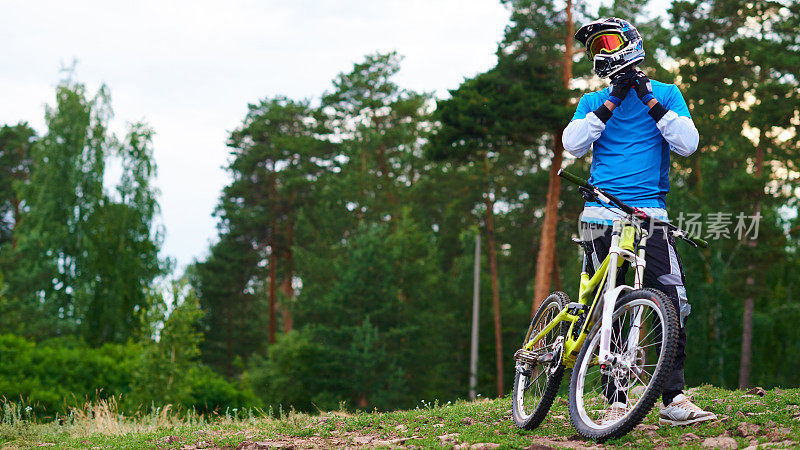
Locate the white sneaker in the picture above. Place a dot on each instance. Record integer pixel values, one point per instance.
(616, 411)
(683, 412)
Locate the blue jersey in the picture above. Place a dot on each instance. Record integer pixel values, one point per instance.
(631, 158)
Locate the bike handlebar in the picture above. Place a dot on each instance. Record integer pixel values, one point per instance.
(629, 209)
(573, 178)
(698, 241)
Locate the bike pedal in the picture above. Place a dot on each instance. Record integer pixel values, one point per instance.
(575, 307)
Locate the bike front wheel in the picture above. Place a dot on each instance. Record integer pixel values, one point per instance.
(607, 402)
(538, 375)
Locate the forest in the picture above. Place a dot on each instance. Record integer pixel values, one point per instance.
(342, 273)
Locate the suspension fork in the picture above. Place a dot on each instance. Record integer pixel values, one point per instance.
(613, 291)
(638, 283)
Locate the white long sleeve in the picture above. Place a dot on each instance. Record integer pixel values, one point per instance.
(678, 131)
(581, 133)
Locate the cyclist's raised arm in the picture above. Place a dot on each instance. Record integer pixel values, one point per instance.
(587, 125)
(672, 118)
(585, 128)
(677, 127)
(679, 132)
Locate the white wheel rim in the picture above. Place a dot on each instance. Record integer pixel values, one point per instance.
(592, 347)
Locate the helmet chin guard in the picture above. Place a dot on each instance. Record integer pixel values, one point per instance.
(621, 60)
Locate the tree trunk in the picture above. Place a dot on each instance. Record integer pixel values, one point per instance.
(547, 240)
(698, 176)
(286, 286)
(498, 335)
(747, 338)
(749, 300)
(566, 62)
(172, 363)
(363, 193)
(273, 255)
(556, 273)
(273, 275)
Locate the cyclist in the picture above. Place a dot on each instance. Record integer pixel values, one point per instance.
(632, 126)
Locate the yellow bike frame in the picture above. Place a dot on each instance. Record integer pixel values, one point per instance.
(623, 239)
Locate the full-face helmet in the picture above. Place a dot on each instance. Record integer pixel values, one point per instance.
(614, 46)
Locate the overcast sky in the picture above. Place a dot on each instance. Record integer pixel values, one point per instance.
(189, 69)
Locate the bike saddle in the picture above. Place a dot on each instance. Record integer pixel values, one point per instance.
(580, 242)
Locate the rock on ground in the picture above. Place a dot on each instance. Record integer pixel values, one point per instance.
(720, 442)
(746, 429)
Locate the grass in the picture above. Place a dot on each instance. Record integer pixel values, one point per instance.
(769, 420)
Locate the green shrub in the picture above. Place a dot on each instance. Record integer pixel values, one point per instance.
(211, 392)
(63, 373)
(295, 375)
(57, 374)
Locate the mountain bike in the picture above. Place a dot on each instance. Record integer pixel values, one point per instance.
(619, 340)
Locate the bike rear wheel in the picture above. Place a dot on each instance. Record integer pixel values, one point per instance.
(536, 383)
(644, 336)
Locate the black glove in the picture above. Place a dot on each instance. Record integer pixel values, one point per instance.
(620, 85)
(643, 88)
(619, 90)
(645, 92)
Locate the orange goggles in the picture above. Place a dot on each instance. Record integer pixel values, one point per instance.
(605, 42)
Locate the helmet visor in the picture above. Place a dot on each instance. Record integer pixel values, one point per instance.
(605, 42)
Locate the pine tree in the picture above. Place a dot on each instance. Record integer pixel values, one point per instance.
(278, 157)
(381, 127)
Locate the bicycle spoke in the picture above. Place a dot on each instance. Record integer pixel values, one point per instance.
(542, 372)
(644, 339)
(650, 345)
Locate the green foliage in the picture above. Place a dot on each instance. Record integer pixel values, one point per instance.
(84, 262)
(162, 369)
(212, 392)
(276, 159)
(380, 332)
(382, 128)
(122, 246)
(59, 373)
(289, 376)
(15, 165)
(65, 187)
(530, 69)
(234, 320)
